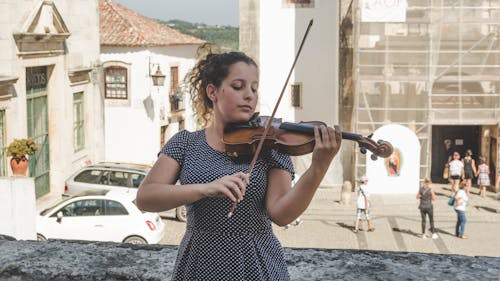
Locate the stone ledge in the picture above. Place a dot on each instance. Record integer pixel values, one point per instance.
(77, 260)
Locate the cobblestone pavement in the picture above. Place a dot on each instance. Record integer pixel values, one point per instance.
(327, 224)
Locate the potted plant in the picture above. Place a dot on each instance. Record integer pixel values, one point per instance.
(18, 150)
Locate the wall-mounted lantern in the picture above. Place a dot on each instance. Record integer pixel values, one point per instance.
(158, 77)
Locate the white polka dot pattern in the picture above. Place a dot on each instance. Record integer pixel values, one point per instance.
(214, 246)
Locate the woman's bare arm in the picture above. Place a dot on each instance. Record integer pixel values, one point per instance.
(158, 191)
(283, 203)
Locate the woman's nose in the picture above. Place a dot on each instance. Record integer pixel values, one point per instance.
(249, 94)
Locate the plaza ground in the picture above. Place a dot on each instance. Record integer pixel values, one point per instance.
(329, 225)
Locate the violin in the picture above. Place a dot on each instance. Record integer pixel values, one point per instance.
(295, 139)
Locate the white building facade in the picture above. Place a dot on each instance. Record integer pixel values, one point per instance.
(49, 86)
(137, 127)
(140, 113)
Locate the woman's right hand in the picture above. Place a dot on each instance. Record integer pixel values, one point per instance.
(231, 186)
(327, 144)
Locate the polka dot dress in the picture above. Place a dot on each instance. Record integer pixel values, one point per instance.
(214, 246)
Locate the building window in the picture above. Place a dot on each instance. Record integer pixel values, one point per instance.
(174, 79)
(115, 78)
(175, 92)
(296, 97)
(163, 137)
(3, 148)
(78, 122)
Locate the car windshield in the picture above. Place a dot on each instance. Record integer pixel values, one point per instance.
(44, 212)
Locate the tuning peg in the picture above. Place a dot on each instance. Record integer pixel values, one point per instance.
(362, 150)
(374, 157)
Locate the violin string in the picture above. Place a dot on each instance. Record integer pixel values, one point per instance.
(269, 122)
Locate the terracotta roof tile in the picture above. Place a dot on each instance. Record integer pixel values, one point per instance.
(120, 26)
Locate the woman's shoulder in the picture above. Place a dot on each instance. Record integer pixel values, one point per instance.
(181, 139)
(177, 146)
(185, 135)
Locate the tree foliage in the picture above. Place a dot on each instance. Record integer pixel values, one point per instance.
(225, 36)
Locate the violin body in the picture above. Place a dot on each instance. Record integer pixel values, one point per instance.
(244, 139)
(295, 139)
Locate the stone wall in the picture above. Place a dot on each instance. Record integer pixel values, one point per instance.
(75, 260)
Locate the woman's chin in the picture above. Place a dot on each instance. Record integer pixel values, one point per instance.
(242, 117)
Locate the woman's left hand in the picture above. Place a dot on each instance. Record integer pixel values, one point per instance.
(327, 145)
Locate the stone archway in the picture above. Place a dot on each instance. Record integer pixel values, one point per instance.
(400, 172)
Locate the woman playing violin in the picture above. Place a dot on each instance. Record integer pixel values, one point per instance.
(224, 89)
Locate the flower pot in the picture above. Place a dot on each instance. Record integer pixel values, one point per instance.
(19, 166)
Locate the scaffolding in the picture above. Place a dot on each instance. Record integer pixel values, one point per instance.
(421, 63)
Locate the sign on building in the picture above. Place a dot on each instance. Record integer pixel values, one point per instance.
(383, 10)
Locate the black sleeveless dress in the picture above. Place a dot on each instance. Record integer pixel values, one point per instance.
(468, 171)
(214, 246)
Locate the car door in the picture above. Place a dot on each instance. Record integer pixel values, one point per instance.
(86, 180)
(119, 179)
(117, 222)
(81, 220)
(136, 179)
(125, 179)
(105, 181)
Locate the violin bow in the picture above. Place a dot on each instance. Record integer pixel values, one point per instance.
(269, 121)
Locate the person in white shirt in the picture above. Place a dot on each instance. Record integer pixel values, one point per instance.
(461, 199)
(456, 171)
(363, 205)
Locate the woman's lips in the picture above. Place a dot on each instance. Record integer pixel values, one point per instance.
(246, 107)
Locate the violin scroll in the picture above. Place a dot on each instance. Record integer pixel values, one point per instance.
(380, 148)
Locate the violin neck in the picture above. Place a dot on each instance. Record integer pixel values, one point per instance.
(306, 128)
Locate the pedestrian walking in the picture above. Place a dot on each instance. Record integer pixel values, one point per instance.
(449, 157)
(426, 196)
(461, 200)
(363, 205)
(456, 171)
(483, 176)
(469, 170)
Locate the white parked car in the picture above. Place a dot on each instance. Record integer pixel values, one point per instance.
(100, 216)
(113, 176)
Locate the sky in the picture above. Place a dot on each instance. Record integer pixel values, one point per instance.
(211, 12)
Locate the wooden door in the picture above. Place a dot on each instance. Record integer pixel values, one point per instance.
(38, 125)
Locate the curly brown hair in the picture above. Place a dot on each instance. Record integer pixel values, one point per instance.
(210, 69)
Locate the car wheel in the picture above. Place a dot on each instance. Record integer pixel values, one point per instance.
(180, 213)
(135, 240)
(40, 237)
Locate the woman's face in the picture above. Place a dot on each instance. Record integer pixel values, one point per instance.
(236, 98)
(456, 156)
